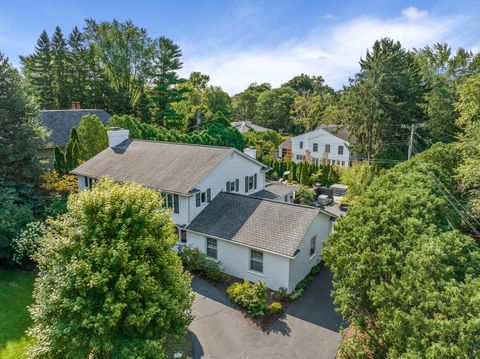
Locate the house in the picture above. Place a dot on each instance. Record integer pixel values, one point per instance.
(327, 144)
(59, 124)
(285, 148)
(245, 126)
(221, 204)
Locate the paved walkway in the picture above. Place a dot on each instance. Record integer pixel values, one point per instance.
(310, 328)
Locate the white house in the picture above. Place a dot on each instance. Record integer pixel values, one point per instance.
(221, 204)
(327, 144)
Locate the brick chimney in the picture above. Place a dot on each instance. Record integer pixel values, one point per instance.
(74, 105)
(77, 105)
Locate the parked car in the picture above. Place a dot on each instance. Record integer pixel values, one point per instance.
(343, 207)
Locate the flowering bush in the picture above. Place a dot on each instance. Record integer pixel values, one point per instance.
(275, 308)
(26, 244)
(253, 297)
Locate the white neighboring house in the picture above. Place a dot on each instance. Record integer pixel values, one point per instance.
(327, 144)
(221, 204)
(245, 126)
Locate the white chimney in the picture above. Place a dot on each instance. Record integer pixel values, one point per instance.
(116, 136)
(250, 151)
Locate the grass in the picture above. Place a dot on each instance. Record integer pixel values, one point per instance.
(15, 295)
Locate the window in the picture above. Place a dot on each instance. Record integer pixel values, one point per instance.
(231, 186)
(211, 248)
(256, 261)
(299, 157)
(183, 236)
(338, 162)
(204, 197)
(88, 182)
(227, 187)
(313, 243)
(301, 144)
(250, 182)
(197, 200)
(343, 163)
(315, 147)
(327, 148)
(171, 201)
(340, 150)
(237, 185)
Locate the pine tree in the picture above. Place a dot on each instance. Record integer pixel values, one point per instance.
(60, 69)
(39, 72)
(164, 92)
(72, 151)
(78, 68)
(59, 160)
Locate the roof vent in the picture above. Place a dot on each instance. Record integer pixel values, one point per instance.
(116, 136)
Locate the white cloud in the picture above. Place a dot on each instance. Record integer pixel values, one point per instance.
(331, 52)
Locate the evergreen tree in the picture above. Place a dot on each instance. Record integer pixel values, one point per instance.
(165, 92)
(92, 136)
(61, 75)
(38, 70)
(78, 68)
(59, 160)
(72, 151)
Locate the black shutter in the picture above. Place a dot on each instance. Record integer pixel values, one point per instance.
(209, 195)
(246, 184)
(237, 185)
(86, 181)
(227, 186)
(255, 181)
(176, 208)
(197, 199)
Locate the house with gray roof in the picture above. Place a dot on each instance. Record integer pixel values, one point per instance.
(222, 204)
(245, 126)
(59, 124)
(327, 144)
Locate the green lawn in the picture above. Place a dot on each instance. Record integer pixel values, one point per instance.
(15, 295)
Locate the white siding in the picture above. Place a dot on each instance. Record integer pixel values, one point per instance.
(234, 167)
(303, 262)
(321, 138)
(235, 260)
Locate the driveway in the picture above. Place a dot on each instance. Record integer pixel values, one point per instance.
(310, 328)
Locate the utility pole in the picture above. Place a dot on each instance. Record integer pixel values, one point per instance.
(412, 129)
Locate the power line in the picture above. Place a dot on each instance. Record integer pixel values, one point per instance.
(412, 129)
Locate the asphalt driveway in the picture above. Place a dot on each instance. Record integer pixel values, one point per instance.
(310, 328)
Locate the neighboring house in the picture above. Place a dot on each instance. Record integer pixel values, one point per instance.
(285, 148)
(327, 144)
(245, 126)
(214, 196)
(278, 192)
(59, 124)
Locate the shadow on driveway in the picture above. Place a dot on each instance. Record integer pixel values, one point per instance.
(316, 303)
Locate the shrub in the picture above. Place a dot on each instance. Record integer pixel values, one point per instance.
(197, 262)
(26, 244)
(275, 308)
(282, 294)
(253, 297)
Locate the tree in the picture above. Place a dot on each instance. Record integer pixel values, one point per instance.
(60, 69)
(92, 136)
(165, 92)
(20, 137)
(304, 84)
(309, 110)
(125, 53)
(109, 284)
(304, 195)
(385, 93)
(358, 177)
(216, 100)
(273, 108)
(72, 151)
(77, 61)
(38, 70)
(396, 263)
(244, 104)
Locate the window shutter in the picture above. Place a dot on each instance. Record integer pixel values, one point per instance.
(209, 195)
(86, 181)
(255, 181)
(197, 199)
(227, 186)
(176, 208)
(246, 184)
(237, 185)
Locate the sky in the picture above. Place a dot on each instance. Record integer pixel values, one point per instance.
(240, 42)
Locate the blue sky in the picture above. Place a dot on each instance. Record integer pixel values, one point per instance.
(239, 42)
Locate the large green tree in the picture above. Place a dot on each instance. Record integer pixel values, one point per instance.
(92, 136)
(109, 285)
(79, 76)
(60, 69)
(386, 93)
(165, 78)
(244, 104)
(273, 108)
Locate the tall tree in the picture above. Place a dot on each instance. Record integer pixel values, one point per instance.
(38, 69)
(273, 108)
(125, 53)
(108, 277)
(386, 93)
(165, 78)
(61, 74)
(92, 136)
(244, 104)
(78, 68)
(304, 84)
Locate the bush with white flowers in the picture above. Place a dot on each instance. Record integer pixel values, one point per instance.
(27, 242)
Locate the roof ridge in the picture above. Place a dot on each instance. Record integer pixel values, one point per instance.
(252, 196)
(182, 143)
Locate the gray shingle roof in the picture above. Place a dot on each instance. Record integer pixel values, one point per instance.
(60, 122)
(274, 226)
(338, 131)
(167, 166)
(274, 190)
(244, 126)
